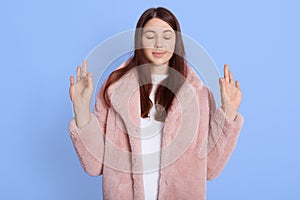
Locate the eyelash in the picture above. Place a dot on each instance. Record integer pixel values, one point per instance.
(150, 38)
(166, 38)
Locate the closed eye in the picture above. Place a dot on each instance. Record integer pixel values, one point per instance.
(167, 38)
(150, 37)
(168, 35)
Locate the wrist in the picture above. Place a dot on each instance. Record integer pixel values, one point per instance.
(82, 115)
(230, 113)
(82, 119)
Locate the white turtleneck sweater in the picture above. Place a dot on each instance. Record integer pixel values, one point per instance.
(151, 131)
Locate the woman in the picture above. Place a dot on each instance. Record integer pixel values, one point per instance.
(155, 132)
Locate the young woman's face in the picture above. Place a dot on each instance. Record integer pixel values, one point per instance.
(158, 40)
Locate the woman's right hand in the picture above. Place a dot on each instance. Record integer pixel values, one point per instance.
(81, 93)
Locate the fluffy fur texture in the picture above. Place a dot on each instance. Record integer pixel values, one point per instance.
(197, 141)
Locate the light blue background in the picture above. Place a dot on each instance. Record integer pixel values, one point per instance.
(42, 42)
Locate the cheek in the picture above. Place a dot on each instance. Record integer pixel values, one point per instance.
(170, 45)
(169, 55)
(147, 53)
(146, 43)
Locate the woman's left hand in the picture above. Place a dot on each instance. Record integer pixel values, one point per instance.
(231, 94)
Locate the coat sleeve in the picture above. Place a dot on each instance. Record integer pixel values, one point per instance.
(89, 140)
(222, 138)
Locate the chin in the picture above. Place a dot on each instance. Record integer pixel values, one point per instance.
(160, 62)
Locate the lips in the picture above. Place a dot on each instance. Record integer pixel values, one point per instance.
(158, 54)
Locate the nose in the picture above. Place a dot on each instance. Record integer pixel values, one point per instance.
(158, 42)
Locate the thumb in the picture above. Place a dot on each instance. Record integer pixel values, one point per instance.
(71, 88)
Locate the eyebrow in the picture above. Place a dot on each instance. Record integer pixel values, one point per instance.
(168, 31)
(149, 31)
(154, 31)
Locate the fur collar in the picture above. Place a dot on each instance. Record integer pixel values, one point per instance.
(181, 118)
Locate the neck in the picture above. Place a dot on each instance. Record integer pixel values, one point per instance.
(159, 69)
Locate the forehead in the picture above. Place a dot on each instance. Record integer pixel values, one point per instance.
(157, 24)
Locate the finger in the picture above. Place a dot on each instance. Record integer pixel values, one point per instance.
(90, 80)
(84, 68)
(237, 84)
(78, 74)
(231, 81)
(226, 73)
(71, 87)
(221, 82)
(72, 80)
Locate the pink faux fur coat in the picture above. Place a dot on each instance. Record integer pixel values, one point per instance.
(197, 141)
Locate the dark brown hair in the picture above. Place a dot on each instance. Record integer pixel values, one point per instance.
(165, 92)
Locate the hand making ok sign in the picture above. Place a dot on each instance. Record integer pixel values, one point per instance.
(231, 94)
